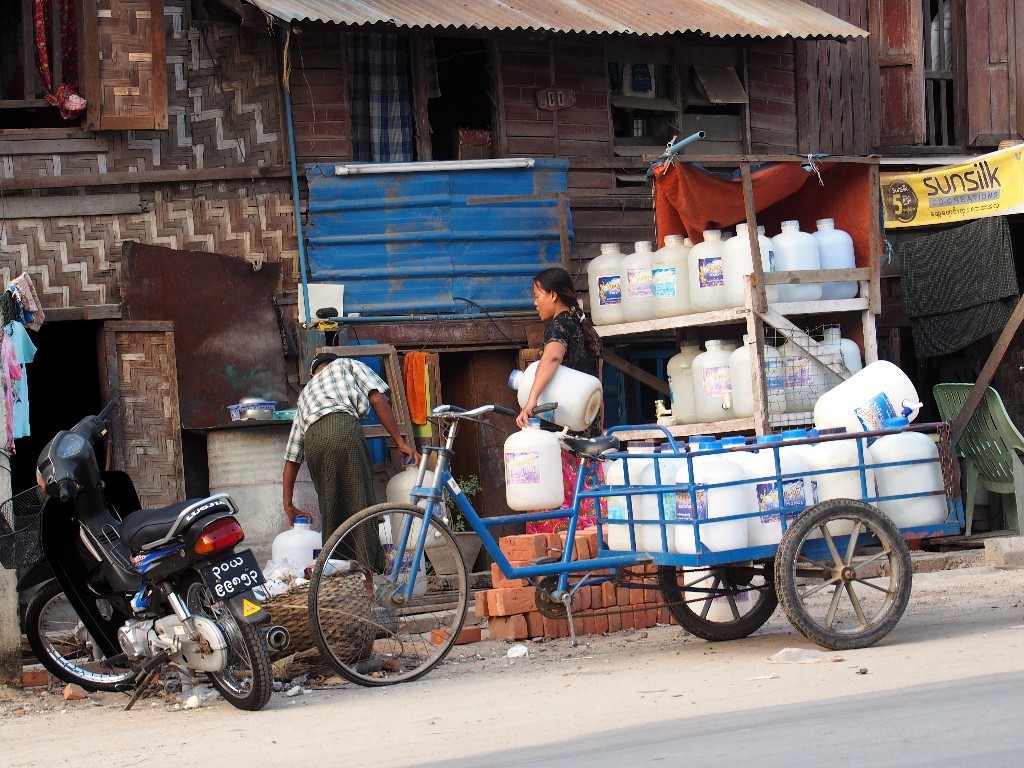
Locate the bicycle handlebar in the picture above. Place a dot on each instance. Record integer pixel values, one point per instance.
(453, 411)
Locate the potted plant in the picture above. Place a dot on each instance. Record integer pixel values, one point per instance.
(466, 539)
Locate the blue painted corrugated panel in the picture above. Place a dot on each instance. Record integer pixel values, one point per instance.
(410, 242)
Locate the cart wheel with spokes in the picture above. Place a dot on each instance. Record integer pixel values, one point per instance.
(720, 602)
(843, 574)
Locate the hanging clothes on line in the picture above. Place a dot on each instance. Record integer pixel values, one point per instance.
(29, 308)
(26, 352)
(10, 373)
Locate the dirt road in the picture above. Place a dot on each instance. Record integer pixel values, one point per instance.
(961, 624)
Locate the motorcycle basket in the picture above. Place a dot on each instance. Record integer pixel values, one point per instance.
(20, 545)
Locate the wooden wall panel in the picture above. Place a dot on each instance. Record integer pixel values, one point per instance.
(995, 71)
(772, 86)
(896, 28)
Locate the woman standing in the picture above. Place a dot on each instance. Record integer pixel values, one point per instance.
(569, 340)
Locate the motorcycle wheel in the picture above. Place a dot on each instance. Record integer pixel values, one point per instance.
(61, 643)
(248, 680)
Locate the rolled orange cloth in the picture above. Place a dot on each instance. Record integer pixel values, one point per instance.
(414, 375)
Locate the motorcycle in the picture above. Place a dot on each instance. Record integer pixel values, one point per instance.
(135, 590)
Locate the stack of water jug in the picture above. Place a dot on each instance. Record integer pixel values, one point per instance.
(682, 278)
(747, 512)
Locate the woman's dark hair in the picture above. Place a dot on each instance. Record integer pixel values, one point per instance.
(557, 280)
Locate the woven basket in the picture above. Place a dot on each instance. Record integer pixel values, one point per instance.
(344, 616)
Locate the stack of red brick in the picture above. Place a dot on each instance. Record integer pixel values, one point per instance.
(511, 609)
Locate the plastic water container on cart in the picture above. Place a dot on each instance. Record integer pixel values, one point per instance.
(835, 251)
(805, 379)
(847, 350)
(298, 545)
(712, 382)
(796, 250)
(740, 366)
(707, 281)
(738, 262)
(766, 528)
(578, 394)
(865, 400)
(711, 503)
(604, 282)
(398, 491)
(615, 474)
(680, 384)
(852, 484)
(909, 478)
(655, 507)
(638, 289)
(533, 469)
(670, 277)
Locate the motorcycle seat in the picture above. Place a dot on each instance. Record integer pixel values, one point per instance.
(148, 529)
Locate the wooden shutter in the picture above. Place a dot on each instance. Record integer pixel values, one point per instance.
(124, 67)
(145, 429)
(898, 90)
(995, 71)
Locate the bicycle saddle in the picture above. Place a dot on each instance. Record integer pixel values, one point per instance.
(590, 446)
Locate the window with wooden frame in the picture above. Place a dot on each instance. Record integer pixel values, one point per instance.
(54, 53)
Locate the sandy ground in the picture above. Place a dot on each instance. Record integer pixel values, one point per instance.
(961, 623)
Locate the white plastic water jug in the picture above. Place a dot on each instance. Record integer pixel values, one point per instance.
(707, 281)
(638, 293)
(712, 382)
(865, 400)
(711, 503)
(577, 394)
(846, 349)
(797, 491)
(737, 263)
(390, 553)
(604, 282)
(743, 380)
(835, 251)
(796, 250)
(533, 469)
(852, 484)
(670, 277)
(909, 478)
(298, 545)
(654, 507)
(615, 474)
(398, 491)
(680, 384)
(805, 378)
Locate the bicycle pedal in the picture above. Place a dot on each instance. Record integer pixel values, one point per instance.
(545, 560)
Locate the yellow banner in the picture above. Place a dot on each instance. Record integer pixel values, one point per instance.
(990, 185)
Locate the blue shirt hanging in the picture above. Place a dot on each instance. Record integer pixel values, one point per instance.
(26, 352)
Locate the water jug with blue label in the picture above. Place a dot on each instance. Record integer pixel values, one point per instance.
(708, 505)
(604, 283)
(533, 469)
(741, 371)
(626, 472)
(776, 468)
(712, 382)
(738, 263)
(670, 277)
(638, 290)
(707, 281)
(925, 478)
(864, 401)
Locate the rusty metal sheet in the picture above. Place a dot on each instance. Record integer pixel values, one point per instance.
(716, 18)
(226, 336)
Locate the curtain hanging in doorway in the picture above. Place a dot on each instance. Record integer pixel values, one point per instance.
(65, 97)
(382, 124)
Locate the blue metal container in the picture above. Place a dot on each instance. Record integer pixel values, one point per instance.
(416, 242)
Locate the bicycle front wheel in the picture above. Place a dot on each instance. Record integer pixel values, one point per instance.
(365, 620)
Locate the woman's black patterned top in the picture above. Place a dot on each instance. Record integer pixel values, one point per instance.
(568, 329)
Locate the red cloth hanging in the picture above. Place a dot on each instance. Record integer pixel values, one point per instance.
(65, 97)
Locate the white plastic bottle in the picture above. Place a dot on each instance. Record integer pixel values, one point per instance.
(855, 483)
(623, 472)
(680, 384)
(707, 282)
(835, 251)
(533, 469)
(865, 400)
(670, 277)
(391, 552)
(577, 394)
(712, 382)
(737, 263)
(297, 545)
(604, 282)
(743, 384)
(846, 349)
(766, 528)
(795, 250)
(638, 293)
(398, 491)
(711, 503)
(909, 478)
(655, 507)
(805, 378)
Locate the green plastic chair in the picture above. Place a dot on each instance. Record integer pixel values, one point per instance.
(989, 448)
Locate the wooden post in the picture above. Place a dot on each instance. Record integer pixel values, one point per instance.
(868, 323)
(759, 384)
(988, 372)
(874, 294)
(10, 627)
(757, 301)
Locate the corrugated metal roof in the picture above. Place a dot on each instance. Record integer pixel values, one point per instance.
(411, 242)
(717, 18)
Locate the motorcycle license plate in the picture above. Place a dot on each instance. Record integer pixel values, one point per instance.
(233, 575)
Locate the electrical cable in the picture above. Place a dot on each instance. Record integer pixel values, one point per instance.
(473, 303)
